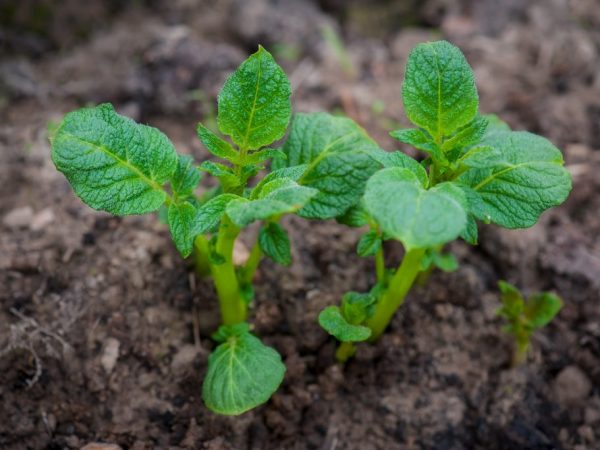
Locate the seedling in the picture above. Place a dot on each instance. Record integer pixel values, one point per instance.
(524, 317)
(124, 168)
(476, 169)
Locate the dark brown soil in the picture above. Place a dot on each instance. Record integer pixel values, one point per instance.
(104, 330)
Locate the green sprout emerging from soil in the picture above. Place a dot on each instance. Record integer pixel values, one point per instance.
(476, 169)
(525, 316)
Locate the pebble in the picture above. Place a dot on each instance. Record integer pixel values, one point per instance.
(571, 386)
(110, 354)
(42, 219)
(184, 358)
(18, 217)
(101, 446)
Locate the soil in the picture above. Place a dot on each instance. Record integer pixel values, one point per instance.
(104, 330)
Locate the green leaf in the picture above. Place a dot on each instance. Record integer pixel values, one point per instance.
(417, 217)
(339, 157)
(279, 196)
(369, 244)
(263, 155)
(275, 243)
(523, 182)
(186, 177)
(467, 136)
(332, 321)
(112, 163)
(181, 217)
(418, 139)
(541, 308)
(513, 303)
(399, 159)
(481, 157)
(254, 105)
(358, 307)
(225, 174)
(355, 217)
(495, 124)
(216, 145)
(470, 233)
(439, 90)
(293, 173)
(443, 261)
(210, 213)
(242, 373)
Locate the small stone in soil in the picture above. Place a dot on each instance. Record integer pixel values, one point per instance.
(110, 354)
(18, 217)
(571, 386)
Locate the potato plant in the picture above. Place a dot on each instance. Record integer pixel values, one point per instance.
(475, 169)
(116, 165)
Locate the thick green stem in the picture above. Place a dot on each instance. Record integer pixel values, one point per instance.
(345, 351)
(380, 265)
(233, 308)
(201, 256)
(394, 295)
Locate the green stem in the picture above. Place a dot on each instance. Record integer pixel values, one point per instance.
(394, 295)
(252, 264)
(345, 351)
(380, 264)
(201, 254)
(233, 308)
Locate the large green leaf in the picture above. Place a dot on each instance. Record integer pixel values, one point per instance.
(332, 321)
(112, 163)
(417, 217)
(242, 372)
(439, 90)
(524, 180)
(254, 105)
(279, 196)
(339, 157)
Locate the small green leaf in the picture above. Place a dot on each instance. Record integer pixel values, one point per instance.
(263, 155)
(439, 90)
(254, 105)
(513, 303)
(279, 196)
(242, 374)
(444, 261)
(186, 177)
(541, 308)
(417, 217)
(293, 173)
(275, 243)
(210, 213)
(113, 163)
(467, 136)
(355, 217)
(369, 244)
(358, 307)
(225, 174)
(216, 145)
(332, 321)
(181, 217)
(418, 139)
(399, 159)
(525, 180)
(339, 157)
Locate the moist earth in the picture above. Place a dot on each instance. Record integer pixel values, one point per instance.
(104, 330)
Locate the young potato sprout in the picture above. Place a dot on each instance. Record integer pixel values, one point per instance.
(525, 316)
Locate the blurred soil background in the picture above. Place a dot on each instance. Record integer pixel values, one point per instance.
(104, 329)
